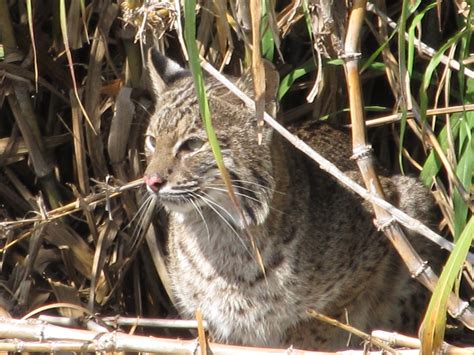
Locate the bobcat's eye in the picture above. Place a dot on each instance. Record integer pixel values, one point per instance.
(150, 143)
(190, 145)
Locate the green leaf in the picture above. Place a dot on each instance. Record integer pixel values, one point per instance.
(433, 64)
(402, 60)
(411, 36)
(191, 46)
(295, 74)
(464, 171)
(190, 37)
(432, 164)
(434, 323)
(268, 43)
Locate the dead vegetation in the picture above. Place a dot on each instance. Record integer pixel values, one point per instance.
(73, 104)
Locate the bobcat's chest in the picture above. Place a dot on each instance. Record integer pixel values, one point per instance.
(240, 303)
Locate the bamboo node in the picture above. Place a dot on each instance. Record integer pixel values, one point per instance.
(362, 152)
(20, 345)
(383, 224)
(463, 307)
(350, 56)
(107, 342)
(42, 331)
(421, 269)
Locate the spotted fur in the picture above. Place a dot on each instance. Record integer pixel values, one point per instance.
(317, 240)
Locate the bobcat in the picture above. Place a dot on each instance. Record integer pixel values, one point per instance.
(318, 244)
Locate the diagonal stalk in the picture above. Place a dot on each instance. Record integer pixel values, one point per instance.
(363, 155)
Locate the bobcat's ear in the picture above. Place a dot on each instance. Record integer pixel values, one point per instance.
(163, 71)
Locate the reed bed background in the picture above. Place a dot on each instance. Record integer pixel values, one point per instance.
(74, 106)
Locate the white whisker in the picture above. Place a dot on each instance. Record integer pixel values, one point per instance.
(224, 190)
(198, 210)
(209, 202)
(237, 193)
(237, 187)
(256, 184)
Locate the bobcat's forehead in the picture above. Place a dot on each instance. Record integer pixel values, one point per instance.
(176, 110)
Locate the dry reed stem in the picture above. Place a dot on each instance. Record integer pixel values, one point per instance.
(362, 153)
(75, 206)
(34, 335)
(374, 122)
(258, 71)
(400, 340)
(120, 321)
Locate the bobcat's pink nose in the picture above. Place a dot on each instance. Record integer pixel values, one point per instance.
(154, 182)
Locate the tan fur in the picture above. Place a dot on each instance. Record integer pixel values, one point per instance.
(318, 242)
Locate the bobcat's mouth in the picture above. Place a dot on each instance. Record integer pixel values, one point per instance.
(179, 198)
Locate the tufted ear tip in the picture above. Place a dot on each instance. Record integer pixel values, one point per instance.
(163, 71)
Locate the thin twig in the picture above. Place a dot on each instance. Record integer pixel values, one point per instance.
(396, 117)
(351, 330)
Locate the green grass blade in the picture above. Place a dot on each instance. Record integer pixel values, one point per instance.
(402, 60)
(432, 164)
(464, 171)
(268, 42)
(190, 38)
(433, 64)
(411, 36)
(406, 64)
(295, 74)
(434, 323)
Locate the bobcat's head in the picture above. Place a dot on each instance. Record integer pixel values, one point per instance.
(182, 170)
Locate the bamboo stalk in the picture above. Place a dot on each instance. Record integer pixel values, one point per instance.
(417, 267)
